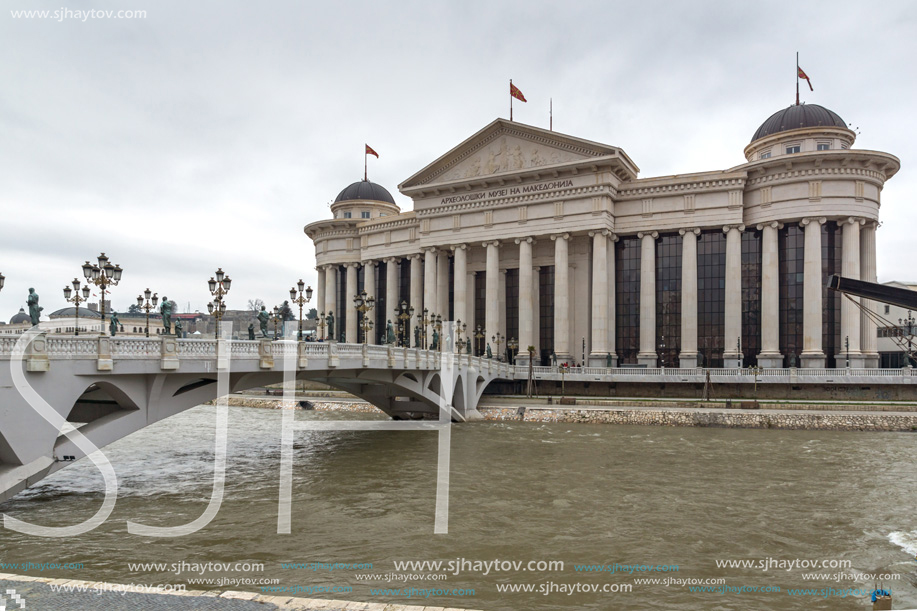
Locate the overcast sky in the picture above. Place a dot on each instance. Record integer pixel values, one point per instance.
(207, 134)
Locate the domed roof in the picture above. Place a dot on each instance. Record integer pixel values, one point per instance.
(20, 318)
(365, 190)
(798, 116)
(71, 312)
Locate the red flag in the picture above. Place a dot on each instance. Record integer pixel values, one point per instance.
(801, 74)
(370, 151)
(514, 91)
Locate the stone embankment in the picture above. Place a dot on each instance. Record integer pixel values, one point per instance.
(723, 414)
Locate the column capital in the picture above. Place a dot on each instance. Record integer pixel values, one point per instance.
(412, 256)
(694, 230)
(490, 243)
(728, 228)
(820, 220)
(772, 225)
(369, 263)
(527, 240)
(455, 247)
(853, 220)
(652, 234)
(605, 232)
(562, 236)
(389, 260)
(351, 264)
(426, 249)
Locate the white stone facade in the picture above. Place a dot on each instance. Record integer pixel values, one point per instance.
(524, 206)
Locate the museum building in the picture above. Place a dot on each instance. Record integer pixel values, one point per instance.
(553, 241)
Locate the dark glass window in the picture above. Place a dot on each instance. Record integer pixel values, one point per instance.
(480, 310)
(451, 289)
(512, 305)
(546, 313)
(361, 286)
(404, 286)
(711, 297)
(340, 314)
(668, 299)
(384, 311)
(751, 297)
(792, 149)
(832, 342)
(627, 299)
(791, 247)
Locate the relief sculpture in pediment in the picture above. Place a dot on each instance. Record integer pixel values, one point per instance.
(506, 155)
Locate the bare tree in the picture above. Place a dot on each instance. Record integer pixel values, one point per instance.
(255, 305)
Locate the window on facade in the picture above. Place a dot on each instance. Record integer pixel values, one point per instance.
(512, 306)
(792, 148)
(546, 313)
(791, 246)
(832, 342)
(364, 214)
(347, 215)
(711, 298)
(843, 145)
(765, 155)
(668, 299)
(888, 309)
(751, 297)
(823, 146)
(627, 299)
(480, 312)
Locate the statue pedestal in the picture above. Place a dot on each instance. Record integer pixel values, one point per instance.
(104, 362)
(37, 354)
(266, 354)
(169, 353)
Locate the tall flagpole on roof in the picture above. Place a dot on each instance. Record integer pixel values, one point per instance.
(510, 99)
(797, 78)
(551, 115)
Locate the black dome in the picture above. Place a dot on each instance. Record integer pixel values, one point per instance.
(796, 117)
(367, 190)
(70, 312)
(21, 317)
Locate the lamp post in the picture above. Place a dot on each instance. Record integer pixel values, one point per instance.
(438, 325)
(103, 275)
(479, 343)
(321, 325)
(149, 305)
(276, 318)
(423, 327)
(739, 352)
(300, 301)
(847, 349)
(219, 285)
(403, 315)
(907, 325)
(76, 300)
(460, 328)
(513, 347)
(498, 339)
(364, 306)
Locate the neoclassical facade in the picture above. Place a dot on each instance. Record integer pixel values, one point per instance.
(555, 241)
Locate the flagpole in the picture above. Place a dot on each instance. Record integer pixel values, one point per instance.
(365, 156)
(551, 115)
(510, 99)
(797, 78)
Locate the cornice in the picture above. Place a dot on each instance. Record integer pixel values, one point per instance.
(724, 184)
(516, 200)
(806, 173)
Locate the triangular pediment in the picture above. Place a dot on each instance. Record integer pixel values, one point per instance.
(503, 148)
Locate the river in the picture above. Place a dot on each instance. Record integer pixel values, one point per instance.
(639, 497)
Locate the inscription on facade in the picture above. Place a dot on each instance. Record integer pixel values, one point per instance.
(508, 191)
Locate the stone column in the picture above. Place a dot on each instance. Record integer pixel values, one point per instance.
(320, 289)
(442, 284)
(471, 310)
(599, 350)
(416, 289)
(732, 327)
(460, 289)
(331, 295)
(812, 355)
(687, 358)
(562, 297)
(612, 306)
(351, 336)
(526, 290)
(492, 289)
(869, 343)
(770, 355)
(647, 355)
(369, 285)
(429, 282)
(850, 313)
(392, 302)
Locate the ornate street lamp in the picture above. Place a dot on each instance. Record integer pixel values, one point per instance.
(147, 306)
(460, 328)
(907, 325)
(103, 275)
(321, 325)
(438, 325)
(513, 346)
(479, 344)
(424, 322)
(498, 339)
(364, 306)
(219, 285)
(276, 318)
(404, 314)
(300, 300)
(76, 300)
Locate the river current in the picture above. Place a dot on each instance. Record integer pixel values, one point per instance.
(633, 503)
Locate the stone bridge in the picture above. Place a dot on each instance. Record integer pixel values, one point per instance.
(110, 387)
